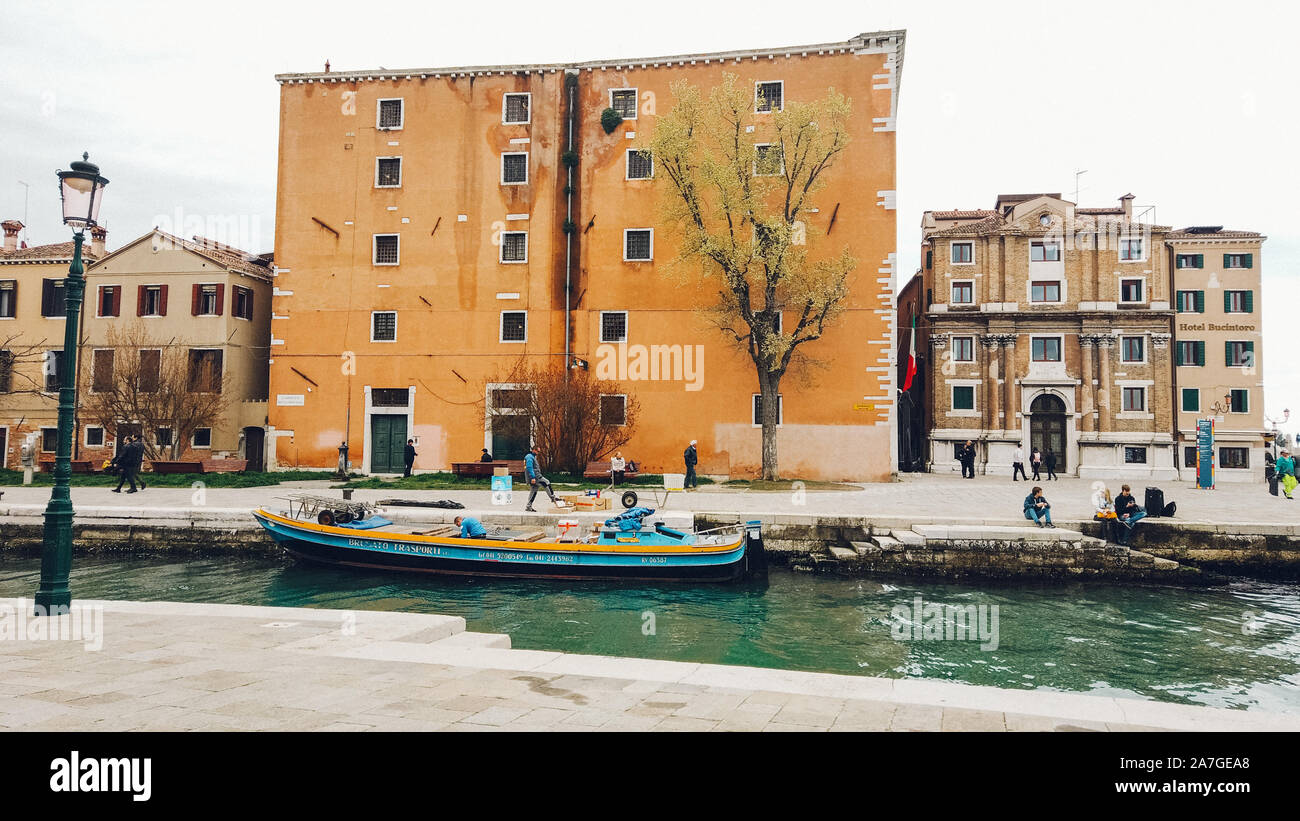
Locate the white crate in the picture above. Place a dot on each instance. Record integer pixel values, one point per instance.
(674, 481)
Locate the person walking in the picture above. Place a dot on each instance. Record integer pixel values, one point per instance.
(1286, 470)
(409, 456)
(533, 473)
(692, 458)
(1037, 459)
(1038, 509)
(129, 462)
(1049, 459)
(1018, 464)
(967, 456)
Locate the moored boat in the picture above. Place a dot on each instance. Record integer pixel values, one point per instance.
(355, 534)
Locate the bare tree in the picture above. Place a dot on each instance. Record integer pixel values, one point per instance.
(738, 190)
(573, 421)
(154, 385)
(25, 368)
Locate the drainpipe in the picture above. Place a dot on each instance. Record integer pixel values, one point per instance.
(568, 237)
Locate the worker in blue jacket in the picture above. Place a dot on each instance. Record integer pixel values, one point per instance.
(471, 528)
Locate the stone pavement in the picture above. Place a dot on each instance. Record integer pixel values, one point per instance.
(920, 497)
(167, 666)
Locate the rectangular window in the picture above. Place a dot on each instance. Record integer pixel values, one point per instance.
(963, 397)
(1238, 260)
(769, 161)
(638, 244)
(8, 298)
(203, 437)
(1191, 302)
(1240, 354)
(1189, 457)
(1131, 349)
(53, 367)
(1131, 250)
(383, 326)
(150, 370)
(1240, 401)
(206, 298)
(514, 168)
(242, 302)
(1238, 302)
(1135, 400)
(49, 440)
(1191, 400)
(151, 300)
(1190, 353)
(769, 96)
(1234, 457)
(613, 409)
(1189, 261)
(391, 115)
(623, 100)
(205, 370)
(963, 293)
(1045, 292)
(163, 437)
(388, 172)
(640, 164)
(514, 326)
(54, 301)
(758, 409)
(6, 373)
(390, 397)
(963, 349)
(1130, 290)
(515, 109)
(613, 326)
(1135, 456)
(514, 246)
(110, 300)
(94, 436)
(1045, 349)
(1044, 252)
(102, 376)
(963, 253)
(387, 249)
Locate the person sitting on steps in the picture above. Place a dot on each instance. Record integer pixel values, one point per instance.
(1038, 509)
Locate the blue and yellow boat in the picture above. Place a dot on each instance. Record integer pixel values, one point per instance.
(354, 534)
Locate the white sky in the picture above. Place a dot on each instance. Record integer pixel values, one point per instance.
(1192, 106)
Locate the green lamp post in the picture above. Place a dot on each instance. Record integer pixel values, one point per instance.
(81, 190)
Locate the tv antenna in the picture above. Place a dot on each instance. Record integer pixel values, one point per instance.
(27, 189)
(1077, 175)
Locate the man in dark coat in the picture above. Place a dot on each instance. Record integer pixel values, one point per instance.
(129, 460)
(410, 456)
(486, 457)
(967, 456)
(692, 459)
(1049, 461)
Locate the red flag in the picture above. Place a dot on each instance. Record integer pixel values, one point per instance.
(911, 358)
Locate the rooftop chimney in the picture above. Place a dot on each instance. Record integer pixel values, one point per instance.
(1126, 202)
(327, 66)
(12, 227)
(98, 235)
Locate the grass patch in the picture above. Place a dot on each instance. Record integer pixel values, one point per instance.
(787, 484)
(14, 478)
(449, 481)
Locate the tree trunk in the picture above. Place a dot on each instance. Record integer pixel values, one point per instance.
(769, 386)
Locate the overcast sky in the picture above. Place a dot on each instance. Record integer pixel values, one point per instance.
(1192, 106)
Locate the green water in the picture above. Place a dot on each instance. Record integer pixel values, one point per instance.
(1227, 647)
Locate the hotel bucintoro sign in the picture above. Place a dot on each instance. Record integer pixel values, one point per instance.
(1210, 326)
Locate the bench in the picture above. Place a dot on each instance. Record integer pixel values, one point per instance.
(486, 469)
(225, 465)
(601, 470)
(78, 465)
(160, 466)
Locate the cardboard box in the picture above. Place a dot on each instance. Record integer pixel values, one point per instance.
(501, 471)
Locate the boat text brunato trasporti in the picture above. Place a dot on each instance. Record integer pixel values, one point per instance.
(355, 534)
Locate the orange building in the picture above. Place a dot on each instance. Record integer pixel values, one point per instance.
(420, 234)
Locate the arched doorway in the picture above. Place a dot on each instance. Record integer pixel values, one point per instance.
(1047, 428)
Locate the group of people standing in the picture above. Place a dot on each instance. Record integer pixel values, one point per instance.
(1037, 459)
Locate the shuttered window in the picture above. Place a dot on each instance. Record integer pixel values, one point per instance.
(102, 377)
(150, 370)
(8, 298)
(1239, 302)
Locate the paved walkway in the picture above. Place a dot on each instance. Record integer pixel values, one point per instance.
(932, 497)
(165, 666)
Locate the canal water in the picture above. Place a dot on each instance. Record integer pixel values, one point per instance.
(1228, 647)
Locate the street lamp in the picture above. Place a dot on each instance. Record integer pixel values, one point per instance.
(1221, 409)
(81, 191)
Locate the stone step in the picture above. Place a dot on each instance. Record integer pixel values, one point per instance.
(909, 538)
(842, 553)
(868, 548)
(499, 641)
(889, 544)
(991, 532)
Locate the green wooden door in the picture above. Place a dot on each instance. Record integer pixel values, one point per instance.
(387, 443)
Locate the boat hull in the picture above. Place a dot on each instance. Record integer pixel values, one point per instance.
(386, 551)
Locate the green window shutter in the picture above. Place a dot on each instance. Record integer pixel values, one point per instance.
(1250, 260)
(1200, 260)
(1250, 349)
(1225, 260)
(1200, 353)
(1250, 302)
(1227, 301)
(1200, 302)
(1178, 354)
(1227, 353)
